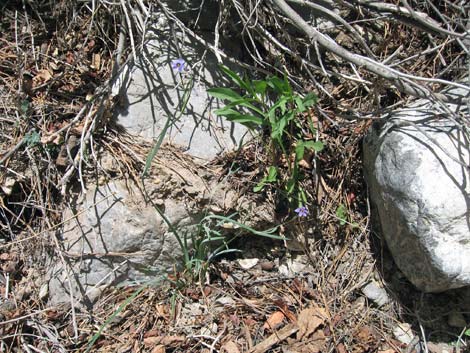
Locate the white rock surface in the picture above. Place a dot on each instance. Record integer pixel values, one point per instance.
(403, 333)
(151, 92)
(376, 293)
(118, 238)
(414, 166)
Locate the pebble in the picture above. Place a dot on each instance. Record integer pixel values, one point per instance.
(376, 293)
(403, 333)
(246, 264)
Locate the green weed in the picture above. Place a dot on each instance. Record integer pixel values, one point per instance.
(32, 139)
(209, 239)
(271, 107)
(343, 216)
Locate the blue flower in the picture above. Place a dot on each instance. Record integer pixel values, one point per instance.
(302, 211)
(178, 65)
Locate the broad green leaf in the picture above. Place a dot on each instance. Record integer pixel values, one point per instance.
(272, 174)
(226, 111)
(277, 84)
(225, 93)
(235, 78)
(270, 178)
(310, 99)
(245, 118)
(260, 186)
(260, 87)
(299, 151)
(243, 102)
(280, 104)
(317, 146)
(279, 126)
(341, 213)
(300, 105)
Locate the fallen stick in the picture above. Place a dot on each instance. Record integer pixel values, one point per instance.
(275, 338)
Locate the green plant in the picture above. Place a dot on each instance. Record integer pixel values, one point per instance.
(121, 307)
(32, 138)
(343, 216)
(272, 107)
(206, 241)
(169, 122)
(24, 106)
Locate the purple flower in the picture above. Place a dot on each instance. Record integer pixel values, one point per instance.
(302, 211)
(178, 65)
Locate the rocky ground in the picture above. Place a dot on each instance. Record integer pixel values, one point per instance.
(329, 286)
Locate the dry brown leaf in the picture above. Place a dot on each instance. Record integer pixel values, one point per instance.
(163, 340)
(55, 139)
(309, 320)
(275, 338)
(303, 163)
(163, 311)
(315, 344)
(159, 349)
(388, 351)
(274, 320)
(5, 256)
(340, 348)
(151, 333)
(230, 347)
(41, 77)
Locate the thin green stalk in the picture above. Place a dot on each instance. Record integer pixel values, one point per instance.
(187, 94)
(110, 319)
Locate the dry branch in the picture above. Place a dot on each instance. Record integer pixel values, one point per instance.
(398, 79)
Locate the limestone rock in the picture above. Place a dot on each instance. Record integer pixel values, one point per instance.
(152, 93)
(115, 237)
(415, 166)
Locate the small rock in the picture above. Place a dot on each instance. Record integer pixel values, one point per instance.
(292, 267)
(246, 264)
(210, 330)
(225, 301)
(94, 293)
(456, 319)
(44, 291)
(359, 304)
(376, 293)
(403, 333)
(267, 265)
(8, 185)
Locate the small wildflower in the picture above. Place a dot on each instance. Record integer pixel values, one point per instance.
(302, 211)
(178, 65)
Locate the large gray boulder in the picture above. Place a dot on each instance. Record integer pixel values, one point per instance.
(116, 237)
(416, 167)
(114, 234)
